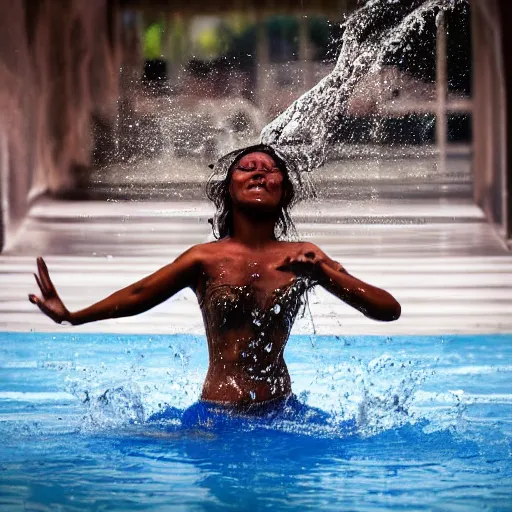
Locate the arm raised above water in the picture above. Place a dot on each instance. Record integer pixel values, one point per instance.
(373, 302)
(132, 300)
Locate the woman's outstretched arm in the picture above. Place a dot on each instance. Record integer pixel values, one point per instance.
(132, 300)
(373, 302)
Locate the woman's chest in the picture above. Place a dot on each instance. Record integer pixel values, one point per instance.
(260, 273)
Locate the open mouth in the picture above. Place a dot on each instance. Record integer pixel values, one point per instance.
(257, 186)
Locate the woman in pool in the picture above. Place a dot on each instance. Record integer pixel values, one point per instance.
(250, 285)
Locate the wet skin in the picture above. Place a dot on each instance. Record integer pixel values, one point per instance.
(247, 337)
(249, 286)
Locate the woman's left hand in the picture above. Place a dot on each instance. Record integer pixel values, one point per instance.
(304, 263)
(49, 303)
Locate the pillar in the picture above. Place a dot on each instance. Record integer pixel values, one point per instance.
(442, 91)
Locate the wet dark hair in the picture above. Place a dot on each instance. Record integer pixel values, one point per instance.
(217, 190)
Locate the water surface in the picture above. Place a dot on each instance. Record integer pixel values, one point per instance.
(433, 427)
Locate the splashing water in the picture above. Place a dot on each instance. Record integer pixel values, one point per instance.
(379, 393)
(432, 426)
(379, 30)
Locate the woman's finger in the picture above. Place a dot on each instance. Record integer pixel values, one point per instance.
(38, 302)
(39, 284)
(41, 305)
(34, 299)
(45, 276)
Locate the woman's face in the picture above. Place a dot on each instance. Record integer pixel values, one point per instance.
(257, 182)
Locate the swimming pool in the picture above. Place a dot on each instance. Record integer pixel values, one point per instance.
(433, 415)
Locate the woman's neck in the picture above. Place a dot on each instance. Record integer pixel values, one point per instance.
(254, 229)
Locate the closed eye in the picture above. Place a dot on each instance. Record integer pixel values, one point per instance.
(264, 169)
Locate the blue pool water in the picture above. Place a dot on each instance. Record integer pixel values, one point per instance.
(414, 423)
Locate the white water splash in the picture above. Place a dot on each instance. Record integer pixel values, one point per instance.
(303, 133)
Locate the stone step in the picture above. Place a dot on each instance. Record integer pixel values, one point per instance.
(451, 273)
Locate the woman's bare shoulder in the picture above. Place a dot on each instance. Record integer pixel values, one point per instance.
(201, 252)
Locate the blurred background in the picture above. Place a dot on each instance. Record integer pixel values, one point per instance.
(132, 99)
(111, 110)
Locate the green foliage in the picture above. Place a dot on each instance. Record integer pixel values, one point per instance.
(153, 41)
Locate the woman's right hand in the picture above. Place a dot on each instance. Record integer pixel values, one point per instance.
(50, 303)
